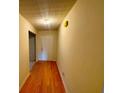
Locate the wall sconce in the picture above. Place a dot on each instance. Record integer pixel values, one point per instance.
(66, 23)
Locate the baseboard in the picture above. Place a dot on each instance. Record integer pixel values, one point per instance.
(24, 81)
(65, 86)
(46, 60)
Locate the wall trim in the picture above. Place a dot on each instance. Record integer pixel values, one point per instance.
(63, 81)
(46, 60)
(24, 81)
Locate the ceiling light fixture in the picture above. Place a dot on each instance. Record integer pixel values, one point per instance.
(46, 21)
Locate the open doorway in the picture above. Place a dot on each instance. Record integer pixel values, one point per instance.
(32, 49)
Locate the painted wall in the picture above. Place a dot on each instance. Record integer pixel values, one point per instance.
(47, 45)
(24, 27)
(81, 47)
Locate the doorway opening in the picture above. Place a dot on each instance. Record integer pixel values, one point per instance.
(32, 49)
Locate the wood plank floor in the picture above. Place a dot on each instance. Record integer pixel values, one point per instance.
(44, 78)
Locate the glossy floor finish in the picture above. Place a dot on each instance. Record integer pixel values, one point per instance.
(44, 78)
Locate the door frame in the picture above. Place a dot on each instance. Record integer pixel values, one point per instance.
(34, 35)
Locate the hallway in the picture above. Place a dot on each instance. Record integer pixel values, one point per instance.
(44, 78)
(69, 36)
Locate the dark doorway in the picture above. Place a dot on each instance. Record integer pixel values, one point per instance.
(32, 48)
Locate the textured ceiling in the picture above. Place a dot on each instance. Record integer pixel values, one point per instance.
(35, 11)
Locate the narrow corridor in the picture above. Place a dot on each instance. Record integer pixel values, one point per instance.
(44, 78)
(69, 32)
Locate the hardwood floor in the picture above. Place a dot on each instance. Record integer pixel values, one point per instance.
(44, 78)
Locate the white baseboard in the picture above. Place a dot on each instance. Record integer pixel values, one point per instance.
(24, 81)
(65, 86)
(47, 60)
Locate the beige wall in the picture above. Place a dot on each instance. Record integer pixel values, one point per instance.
(81, 47)
(24, 27)
(47, 42)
